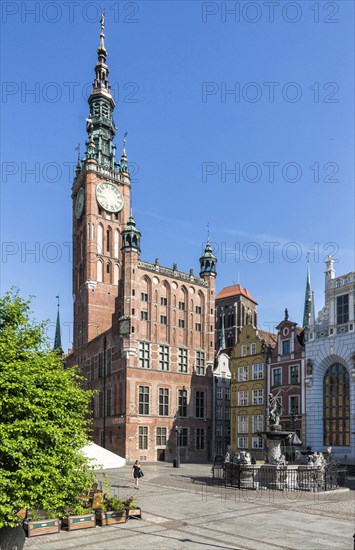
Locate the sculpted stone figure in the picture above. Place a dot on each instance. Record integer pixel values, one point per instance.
(309, 367)
(274, 408)
(317, 460)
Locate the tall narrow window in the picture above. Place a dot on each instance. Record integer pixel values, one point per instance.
(99, 271)
(342, 309)
(200, 404)
(161, 436)
(143, 400)
(182, 360)
(200, 362)
(116, 243)
(163, 402)
(336, 406)
(108, 240)
(108, 402)
(144, 355)
(100, 239)
(115, 274)
(164, 357)
(143, 437)
(200, 439)
(286, 347)
(108, 272)
(243, 426)
(182, 399)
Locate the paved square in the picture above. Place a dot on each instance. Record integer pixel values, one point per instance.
(182, 509)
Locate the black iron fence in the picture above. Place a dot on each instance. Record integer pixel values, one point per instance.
(291, 478)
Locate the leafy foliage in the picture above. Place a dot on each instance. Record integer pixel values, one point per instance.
(43, 418)
(130, 503)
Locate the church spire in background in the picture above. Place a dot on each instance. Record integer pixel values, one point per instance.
(308, 313)
(58, 336)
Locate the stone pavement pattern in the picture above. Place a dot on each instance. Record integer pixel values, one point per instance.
(182, 509)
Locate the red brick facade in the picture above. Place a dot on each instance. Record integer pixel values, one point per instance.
(143, 333)
(287, 374)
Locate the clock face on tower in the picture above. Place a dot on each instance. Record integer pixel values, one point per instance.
(109, 197)
(79, 203)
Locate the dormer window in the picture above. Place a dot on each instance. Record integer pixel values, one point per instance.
(286, 347)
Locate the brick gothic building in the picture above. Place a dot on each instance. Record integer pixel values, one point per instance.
(144, 334)
(234, 306)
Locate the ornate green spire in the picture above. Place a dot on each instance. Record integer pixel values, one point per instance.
(58, 336)
(308, 313)
(131, 236)
(208, 261)
(100, 125)
(124, 159)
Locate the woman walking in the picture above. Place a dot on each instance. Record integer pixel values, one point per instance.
(137, 473)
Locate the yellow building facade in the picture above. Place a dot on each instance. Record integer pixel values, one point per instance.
(248, 389)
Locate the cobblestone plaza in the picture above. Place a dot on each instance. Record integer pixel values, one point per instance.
(182, 509)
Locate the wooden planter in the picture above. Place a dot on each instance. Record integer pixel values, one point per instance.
(72, 523)
(41, 527)
(135, 513)
(111, 518)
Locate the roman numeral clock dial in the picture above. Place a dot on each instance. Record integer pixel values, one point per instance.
(109, 197)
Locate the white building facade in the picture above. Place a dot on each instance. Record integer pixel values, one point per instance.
(330, 370)
(221, 404)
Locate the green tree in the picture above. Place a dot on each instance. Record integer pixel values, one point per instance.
(44, 418)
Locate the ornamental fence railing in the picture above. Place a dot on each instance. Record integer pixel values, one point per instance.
(291, 478)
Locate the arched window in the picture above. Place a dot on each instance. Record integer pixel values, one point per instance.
(100, 239)
(108, 239)
(115, 274)
(108, 272)
(336, 406)
(99, 271)
(116, 241)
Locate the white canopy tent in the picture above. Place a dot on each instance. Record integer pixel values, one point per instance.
(102, 459)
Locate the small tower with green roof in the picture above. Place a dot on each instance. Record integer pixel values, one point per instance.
(131, 237)
(208, 262)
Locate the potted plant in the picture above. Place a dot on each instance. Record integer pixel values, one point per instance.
(111, 511)
(78, 517)
(132, 510)
(41, 523)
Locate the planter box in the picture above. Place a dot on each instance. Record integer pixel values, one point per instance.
(111, 518)
(134, 513)
(41, 527)
(79, 522)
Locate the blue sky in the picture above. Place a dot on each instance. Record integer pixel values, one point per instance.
(288, 129)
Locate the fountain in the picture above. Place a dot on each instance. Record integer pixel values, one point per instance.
(307, 473)
(275, 472)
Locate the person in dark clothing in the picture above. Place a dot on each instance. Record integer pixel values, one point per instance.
(137, 473)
